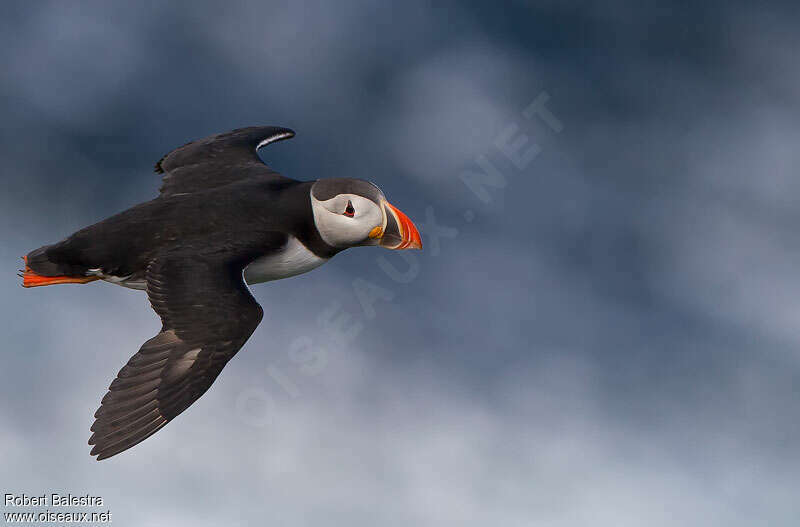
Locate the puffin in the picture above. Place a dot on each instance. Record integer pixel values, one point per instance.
(223, 220)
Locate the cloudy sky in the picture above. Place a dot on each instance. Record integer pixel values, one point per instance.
(604, 331)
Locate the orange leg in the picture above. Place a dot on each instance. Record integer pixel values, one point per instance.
(31, 279)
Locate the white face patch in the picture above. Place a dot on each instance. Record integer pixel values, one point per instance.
(341, 230)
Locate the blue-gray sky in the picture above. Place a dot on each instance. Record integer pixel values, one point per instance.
(611, 340)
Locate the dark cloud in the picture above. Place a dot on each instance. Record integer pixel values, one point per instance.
(610, 339)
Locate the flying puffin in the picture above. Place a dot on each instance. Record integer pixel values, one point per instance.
(223, 220)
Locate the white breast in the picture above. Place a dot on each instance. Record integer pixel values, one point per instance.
(292, 260)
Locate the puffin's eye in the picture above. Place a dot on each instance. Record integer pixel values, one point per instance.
(349, 211)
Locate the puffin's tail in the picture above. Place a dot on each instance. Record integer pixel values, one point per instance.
(39, 270)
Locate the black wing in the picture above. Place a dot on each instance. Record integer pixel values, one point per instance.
(207, 313)
(218, 160)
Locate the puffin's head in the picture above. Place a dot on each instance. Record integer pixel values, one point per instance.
(350, 212)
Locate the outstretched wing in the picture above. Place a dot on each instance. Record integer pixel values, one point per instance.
(207, 313)
(218, 160)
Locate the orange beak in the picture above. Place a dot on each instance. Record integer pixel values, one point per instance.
(400, 232)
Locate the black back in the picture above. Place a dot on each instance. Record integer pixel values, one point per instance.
(218, 160)
(216, 192)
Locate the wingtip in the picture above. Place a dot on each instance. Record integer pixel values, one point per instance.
(276, 134)
(98, 454)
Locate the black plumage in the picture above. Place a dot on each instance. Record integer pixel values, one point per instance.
(220, 209)
(207, 314)
(215, 192)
